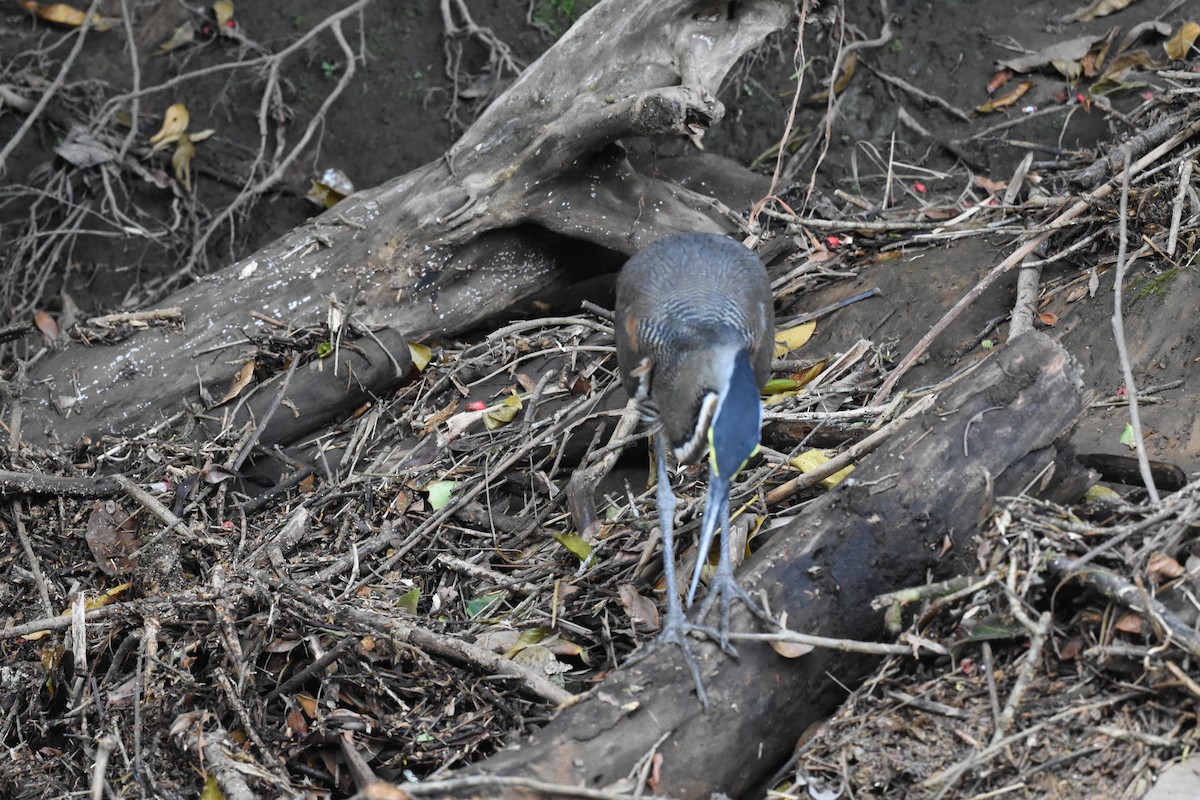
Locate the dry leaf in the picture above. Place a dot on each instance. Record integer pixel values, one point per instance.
(810, 460)
(994, 187)
(421, 356)
(175, 122)
(181, 161)
(63, 14)
(240, 381)
(1070, 50)
(642, 611)
(1005, 100)
(791, 649)
(500, 415)
(46, 324)
(223, 11)
(1097, 8)
(1177, 46)
(184, 35)
(1130, 623)
(112, 537)
(793, 338)
(999, 79)
(1121, 65)
(1164, 568)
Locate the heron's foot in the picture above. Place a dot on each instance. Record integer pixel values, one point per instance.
(724, 587)
(676, 630)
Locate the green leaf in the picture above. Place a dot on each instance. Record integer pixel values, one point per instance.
(1127, 437)
(439, 493)
(477, 605)
(575, 544)
(408, 601)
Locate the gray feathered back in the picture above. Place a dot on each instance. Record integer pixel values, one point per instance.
(691, 303)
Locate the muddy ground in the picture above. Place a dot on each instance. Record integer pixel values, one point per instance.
(892, 148)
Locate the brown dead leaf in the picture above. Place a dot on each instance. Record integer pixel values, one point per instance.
(112, 537)
(1164, 568)
(1071, 648)
(46, 324)
(999, 79)
(296, 724)
(308, 703)
(1130, 623)
(994, 187)
(1121, 66)
(642, 612)
(240, 381)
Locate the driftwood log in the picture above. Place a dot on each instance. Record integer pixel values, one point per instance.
(537, 192)
(909, 512)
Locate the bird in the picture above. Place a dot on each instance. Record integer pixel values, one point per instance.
(694, 328)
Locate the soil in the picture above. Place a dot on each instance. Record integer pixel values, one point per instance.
(418, 87)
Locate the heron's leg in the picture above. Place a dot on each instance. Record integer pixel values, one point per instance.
(676, 626)
(724, 586)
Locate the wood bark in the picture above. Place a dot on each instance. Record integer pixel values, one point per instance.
(909, 513)
(538, 191)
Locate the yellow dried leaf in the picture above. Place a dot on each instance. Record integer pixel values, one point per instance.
(421, 355)
(185, 34)
(1177, 46)
(793, 338)
(499, 416)
(810, 460)
(175, 122)
(1100, 8)
(181, 161)
(1099, 492)
(223, 11)
(62, 13)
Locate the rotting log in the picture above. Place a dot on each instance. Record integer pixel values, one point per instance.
(909, 513)
(537, 192)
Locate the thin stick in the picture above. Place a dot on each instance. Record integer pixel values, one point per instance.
(1118, 324)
